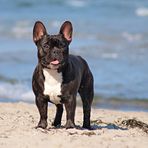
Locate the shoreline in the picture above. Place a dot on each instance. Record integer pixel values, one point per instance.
(122, 104)
(18, 121)
(99, 102)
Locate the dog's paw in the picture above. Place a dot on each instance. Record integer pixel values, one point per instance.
(42, 124)
(87, 127)
(69, 124)
(56, 124)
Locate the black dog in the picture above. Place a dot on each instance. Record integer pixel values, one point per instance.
(59, 76)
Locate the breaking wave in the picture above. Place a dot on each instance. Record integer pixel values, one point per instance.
(142, 11)
(16, 92)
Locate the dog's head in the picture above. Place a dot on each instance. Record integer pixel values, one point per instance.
(53, 50)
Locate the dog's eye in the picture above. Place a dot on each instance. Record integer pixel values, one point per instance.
(46, 46)
(62, 45)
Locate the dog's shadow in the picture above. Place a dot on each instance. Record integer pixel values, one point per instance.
(86, 132)
(107, 126)
(99, 124)
(95, 126)
(110, 126)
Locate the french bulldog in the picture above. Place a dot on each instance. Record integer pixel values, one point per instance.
(59, 76)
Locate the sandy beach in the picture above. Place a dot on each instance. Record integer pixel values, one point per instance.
(18, 121)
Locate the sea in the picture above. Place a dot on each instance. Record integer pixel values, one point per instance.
(112, 35)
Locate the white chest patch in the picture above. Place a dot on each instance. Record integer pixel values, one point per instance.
(52, 85)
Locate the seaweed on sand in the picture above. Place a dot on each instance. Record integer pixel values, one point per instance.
(130, 123)
(133, 123)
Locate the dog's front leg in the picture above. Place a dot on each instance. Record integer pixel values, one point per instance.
(42, 105)
(70, 106)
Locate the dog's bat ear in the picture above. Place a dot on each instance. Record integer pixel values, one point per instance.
(38, 31)
(67, 30)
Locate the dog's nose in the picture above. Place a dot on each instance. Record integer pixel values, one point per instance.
(56, 52)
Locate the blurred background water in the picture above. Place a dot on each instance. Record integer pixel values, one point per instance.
(111, 34)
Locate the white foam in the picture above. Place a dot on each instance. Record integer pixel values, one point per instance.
(131, 37)
(142, 11)
(16, 92)
(110, 55)
(77, 3)
(27, 96)
(21, 29)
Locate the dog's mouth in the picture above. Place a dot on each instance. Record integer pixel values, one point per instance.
(55, 62)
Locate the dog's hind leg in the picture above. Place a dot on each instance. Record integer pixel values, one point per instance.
(58, 117)
(86, 92)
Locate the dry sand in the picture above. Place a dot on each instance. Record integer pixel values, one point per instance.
(17, 122)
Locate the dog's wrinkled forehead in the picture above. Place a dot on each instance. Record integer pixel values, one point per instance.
(54, 41)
